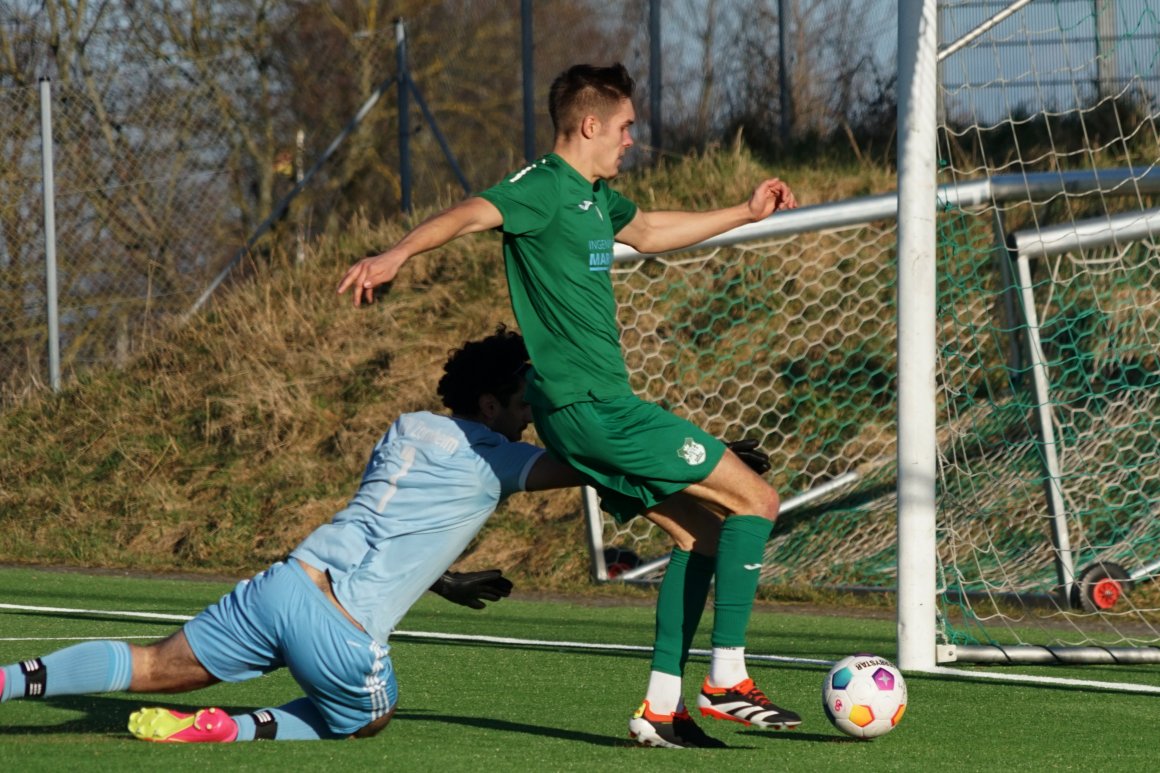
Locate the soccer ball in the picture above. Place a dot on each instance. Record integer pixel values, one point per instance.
(864, 696)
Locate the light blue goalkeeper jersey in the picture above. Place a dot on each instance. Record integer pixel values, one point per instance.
(430, 484)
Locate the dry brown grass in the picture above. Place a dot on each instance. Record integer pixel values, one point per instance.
(233, 436)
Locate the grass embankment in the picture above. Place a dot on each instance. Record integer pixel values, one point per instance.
(231, 437)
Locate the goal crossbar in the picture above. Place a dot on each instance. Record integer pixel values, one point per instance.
(965, 195)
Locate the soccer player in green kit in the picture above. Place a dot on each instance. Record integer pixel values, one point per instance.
(559, 219)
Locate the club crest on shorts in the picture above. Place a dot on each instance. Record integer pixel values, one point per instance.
(692, 452)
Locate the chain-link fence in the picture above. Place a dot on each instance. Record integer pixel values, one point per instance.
(164, 167)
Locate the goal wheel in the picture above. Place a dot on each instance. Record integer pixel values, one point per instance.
(1100, 587)
(619, 560)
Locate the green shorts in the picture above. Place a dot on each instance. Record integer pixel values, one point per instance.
(636, 453)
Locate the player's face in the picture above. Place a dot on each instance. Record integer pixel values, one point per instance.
(614, 139)
(514, 417)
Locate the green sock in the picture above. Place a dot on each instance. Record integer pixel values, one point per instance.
(740, 552)
(698, 578)
(680, 604)
(671, 615)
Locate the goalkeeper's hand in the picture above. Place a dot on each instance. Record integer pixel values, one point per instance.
(471, 589)
(748, 452)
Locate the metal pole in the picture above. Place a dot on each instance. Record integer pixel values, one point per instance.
(1106, 47)
(529, 81)
(983, 28)
(590, 503)
(654, 75)
(786, 128)
(443, 145)
(1064, 562)
(283, 205)
(404, 117)
(299, 171)
(49, 234)
(917, 288)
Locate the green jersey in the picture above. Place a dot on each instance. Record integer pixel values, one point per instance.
(558, 231)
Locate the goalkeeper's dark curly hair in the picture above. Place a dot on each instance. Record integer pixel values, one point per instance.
(494, 365)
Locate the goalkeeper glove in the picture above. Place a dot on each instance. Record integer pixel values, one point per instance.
(748, 452)
(471, 589)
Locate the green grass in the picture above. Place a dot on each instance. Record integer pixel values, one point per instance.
(468, 706)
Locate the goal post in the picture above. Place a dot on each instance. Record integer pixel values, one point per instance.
(917, 293)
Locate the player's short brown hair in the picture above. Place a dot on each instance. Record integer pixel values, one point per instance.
(586, 89)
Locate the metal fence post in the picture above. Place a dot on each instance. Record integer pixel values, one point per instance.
(655, 81)
(404, 117)
(526, 46)
(49, 234)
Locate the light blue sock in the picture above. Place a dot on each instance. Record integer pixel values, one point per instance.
(91, 667)
(296, 721)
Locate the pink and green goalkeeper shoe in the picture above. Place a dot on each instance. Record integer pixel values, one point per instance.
(169, 726)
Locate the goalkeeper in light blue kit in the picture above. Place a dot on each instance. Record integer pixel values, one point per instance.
(327, 612)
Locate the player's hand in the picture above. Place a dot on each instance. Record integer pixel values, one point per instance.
(771, 196)
(472, 589)
(748, 452)
(363, 277)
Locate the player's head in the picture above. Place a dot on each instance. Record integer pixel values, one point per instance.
(594, 104)
(484, 380)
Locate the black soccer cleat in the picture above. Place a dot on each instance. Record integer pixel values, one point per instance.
(744, 703)
(691, 733)
(649, 729)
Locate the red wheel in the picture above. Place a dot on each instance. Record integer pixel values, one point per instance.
(1100, 587)
(1106, 593)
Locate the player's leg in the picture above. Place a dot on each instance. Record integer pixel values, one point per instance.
(107, 666)
(299, 720)
(749, 507)
(168, 666)
(89, 667)
(288, 615)
(233, 640)
(662, 719)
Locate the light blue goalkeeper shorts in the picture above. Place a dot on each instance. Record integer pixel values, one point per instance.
(281, 618)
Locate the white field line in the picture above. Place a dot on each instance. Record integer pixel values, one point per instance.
(936, 671)
(577, 645)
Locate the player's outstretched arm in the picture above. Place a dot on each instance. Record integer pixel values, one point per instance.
(549, 473)
(661, 231)
(469, 216)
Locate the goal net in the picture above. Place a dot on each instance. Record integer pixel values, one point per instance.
(1048, 346)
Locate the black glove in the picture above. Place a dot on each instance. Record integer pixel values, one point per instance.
(471, 589)
(748, 452)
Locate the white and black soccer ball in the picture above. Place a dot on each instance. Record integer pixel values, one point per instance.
(864, 696)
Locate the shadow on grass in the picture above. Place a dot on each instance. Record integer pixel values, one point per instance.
(798, 735)
(503, 725)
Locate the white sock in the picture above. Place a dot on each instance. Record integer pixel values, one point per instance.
(664, 692)
(727, 667)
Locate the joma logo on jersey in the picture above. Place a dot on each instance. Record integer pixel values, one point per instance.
(692, 452)
(586, 205)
